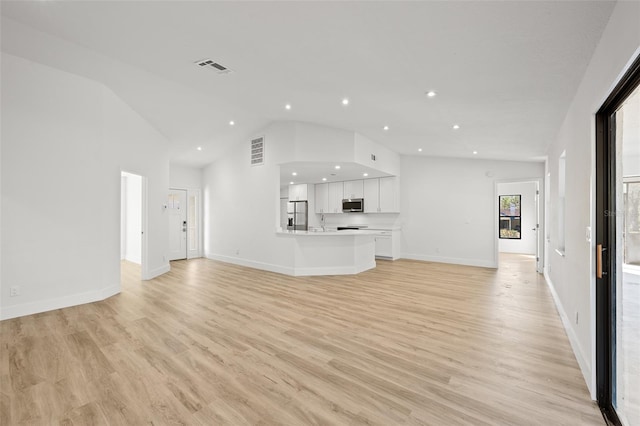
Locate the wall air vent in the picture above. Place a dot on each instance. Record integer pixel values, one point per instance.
(257, 151)
(209, 63)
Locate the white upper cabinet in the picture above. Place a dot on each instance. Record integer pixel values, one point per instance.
(322, 198)
(336, 194)
(371, 195)
(354, 189)
(298, 192)
(389, 195)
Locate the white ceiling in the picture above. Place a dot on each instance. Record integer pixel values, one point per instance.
(505, 71)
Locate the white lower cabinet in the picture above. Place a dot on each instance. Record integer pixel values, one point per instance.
(384, 246)
(387, 244)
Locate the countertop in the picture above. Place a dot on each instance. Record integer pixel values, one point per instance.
(346, 232)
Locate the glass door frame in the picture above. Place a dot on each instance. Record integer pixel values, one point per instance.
(606, 217)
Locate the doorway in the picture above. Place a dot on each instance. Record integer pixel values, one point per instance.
(133, 222)
(518, 222)
(618, 252)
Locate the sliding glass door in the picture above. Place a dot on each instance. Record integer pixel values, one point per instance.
(618, 252)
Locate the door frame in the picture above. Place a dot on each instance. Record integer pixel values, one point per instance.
(144, 223)
(540, 215)
(605, 222)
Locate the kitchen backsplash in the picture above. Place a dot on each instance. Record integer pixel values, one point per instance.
(372, 220)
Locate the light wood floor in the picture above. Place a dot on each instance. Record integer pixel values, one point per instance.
(212, 343)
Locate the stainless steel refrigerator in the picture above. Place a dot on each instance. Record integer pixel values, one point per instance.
(297, 216)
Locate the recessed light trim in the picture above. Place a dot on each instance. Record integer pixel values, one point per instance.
(475, 152)
(431, 94)
(294, 174)
(456, 126)
(324, 179)
(291, 183)
(199, 148)
(345, 101)
(287, 106)
(337, 167)
(365, 174)
(232, 123)
(419, 149)
(385, 128)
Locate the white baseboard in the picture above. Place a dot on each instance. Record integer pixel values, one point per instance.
(158, 271)
(133, 259)
(40, 306)
(453, 260)
(251, 263)
(339, 270)
(585, 366)
(293, 271)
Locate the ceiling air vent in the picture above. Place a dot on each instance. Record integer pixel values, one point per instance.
(208, 63)
(257, 151)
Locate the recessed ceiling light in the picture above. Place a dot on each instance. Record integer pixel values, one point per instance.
(385, 128)
(291, 183)
(365, 174)
(419, 149)
(294, 174)
(345, 101)
(287, 106)
(431, 93)
(199, 148)
(475, 152)
(324, 179)
(337, 167)
(232, 123)
(456, 126)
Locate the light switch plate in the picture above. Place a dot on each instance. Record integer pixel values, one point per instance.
(588, 234)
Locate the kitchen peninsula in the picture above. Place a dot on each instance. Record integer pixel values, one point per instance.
(331, 252)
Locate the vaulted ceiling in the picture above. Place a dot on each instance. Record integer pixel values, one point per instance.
(504, 71)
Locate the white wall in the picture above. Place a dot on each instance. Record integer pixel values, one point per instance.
(448, 207)
(385, 159)
(132, 223)
(65, 141)
(242, 206)
(527, 243)
(571, 277)
(183, 177)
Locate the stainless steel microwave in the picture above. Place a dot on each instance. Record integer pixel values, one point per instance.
(353, 205)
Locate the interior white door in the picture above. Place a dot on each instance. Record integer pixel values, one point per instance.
(177, 207)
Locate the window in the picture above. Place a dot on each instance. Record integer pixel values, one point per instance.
(510, 217)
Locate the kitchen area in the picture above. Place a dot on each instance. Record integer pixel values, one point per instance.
(340, 224)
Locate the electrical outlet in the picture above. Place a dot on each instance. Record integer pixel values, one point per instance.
(14, 291)
(577, 317)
